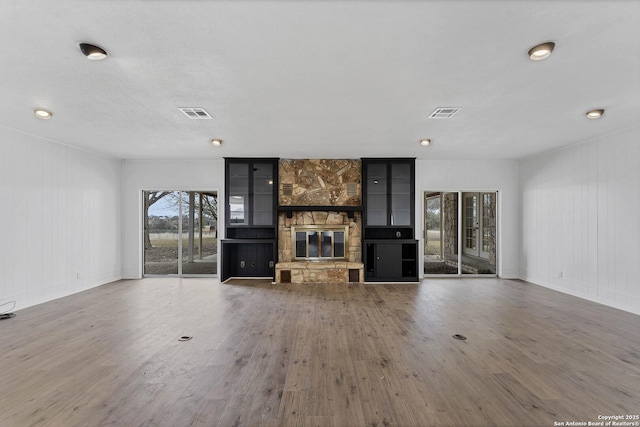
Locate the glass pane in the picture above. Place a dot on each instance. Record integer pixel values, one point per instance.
(481, 209)
(301, 244)
(401, 209)
(433, 245)
(262, 194)
(471, 222)
(326, 243)
(377, 194)
(199, 228)
(313, 244)
(161, 231)
(338, 244)
(400, 194)
(486, 222)
(441, 239)
(238, 193)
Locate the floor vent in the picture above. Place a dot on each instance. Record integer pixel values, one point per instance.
(195, 113)
(444, 112)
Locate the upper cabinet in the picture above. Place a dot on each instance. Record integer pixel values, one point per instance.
(389, 200)
(250, 197)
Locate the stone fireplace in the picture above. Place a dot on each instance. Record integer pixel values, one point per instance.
(319, 223)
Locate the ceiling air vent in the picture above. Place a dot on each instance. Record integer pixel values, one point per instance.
(196, 113)
(444, 112)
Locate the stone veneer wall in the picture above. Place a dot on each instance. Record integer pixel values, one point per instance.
(320, 182)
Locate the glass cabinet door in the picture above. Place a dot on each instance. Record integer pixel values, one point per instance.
(263, 194)
(377, 194)
(400, 194)
(238, 196)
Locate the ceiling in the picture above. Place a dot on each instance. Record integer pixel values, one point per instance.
(319, 79)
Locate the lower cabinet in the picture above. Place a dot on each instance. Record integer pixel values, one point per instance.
(391, 260)
(248, 258)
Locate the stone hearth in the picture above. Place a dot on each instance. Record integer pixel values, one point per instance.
(320, 272)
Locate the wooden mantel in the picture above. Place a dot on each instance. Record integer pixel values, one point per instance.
(350, 210)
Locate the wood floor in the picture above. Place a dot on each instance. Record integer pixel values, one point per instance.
(318, 355)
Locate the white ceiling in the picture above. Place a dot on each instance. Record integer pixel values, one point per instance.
(319, 79)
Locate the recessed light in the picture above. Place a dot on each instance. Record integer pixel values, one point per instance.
(541, 51)
(270, 182)
(216, 142)
(595, 114)
(425, 142)
(93, 52)
(42, 114)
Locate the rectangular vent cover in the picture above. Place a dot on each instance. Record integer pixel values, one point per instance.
(444, 112)
(352, 189)
(196, 113)
(287, 189)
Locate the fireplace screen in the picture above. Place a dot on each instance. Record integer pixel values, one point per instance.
(312, 242)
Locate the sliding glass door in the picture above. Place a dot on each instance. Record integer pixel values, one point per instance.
(180, 232)
(460, 233)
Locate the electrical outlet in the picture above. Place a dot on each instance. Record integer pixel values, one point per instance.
(77, 275)
(560, 275)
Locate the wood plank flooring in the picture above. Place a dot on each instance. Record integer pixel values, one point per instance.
(318, 355)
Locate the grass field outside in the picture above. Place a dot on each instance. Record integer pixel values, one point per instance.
(432, 243)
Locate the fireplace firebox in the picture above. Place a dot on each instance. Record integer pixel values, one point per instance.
(320, 242)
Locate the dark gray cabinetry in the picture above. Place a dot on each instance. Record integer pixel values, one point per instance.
(248, 258)
(249, 249)
(389, 249)
(391, 260)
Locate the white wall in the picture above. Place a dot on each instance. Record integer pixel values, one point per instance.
(60, 220)
(477, 175)
(139, 175)
(581, 220)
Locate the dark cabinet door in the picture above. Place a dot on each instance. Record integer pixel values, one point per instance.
(388, 260)
(401, 194)
(389, 205)
(391, 260)
(248, 258)
(376, 194)
(251, 186)
(262, 209)
(237, 193)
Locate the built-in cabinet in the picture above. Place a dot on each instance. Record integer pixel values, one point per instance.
(250, 249)
(391, 260)
(390, 251)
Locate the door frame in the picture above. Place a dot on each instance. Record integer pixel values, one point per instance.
(141, 231)
(460, 192)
